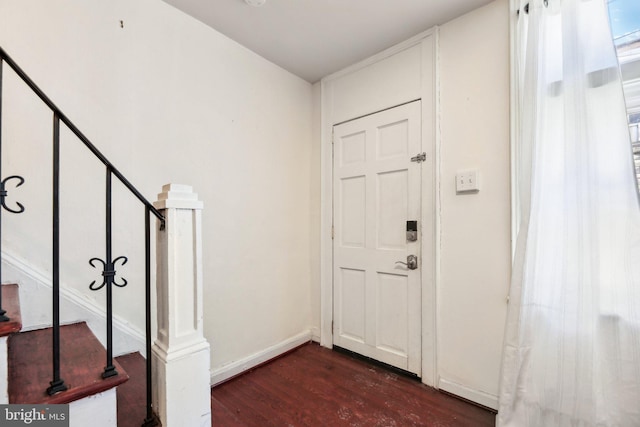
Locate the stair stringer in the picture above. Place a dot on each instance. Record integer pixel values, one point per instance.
(99, 410)
(35, 302)
(4, 395)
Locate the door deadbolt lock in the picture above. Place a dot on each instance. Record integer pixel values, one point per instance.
(412, 262)
(412, 231)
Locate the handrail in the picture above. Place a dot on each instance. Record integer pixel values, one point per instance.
(64, 119)
(57, 385)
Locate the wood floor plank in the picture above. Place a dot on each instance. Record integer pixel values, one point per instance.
(251, 404)
(314, 386)
(328, 392)
(377, 388)
(223, 416)
(304, 404)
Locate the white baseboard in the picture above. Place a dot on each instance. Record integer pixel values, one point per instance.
(479, 397)
(35, 306)
(233, 369)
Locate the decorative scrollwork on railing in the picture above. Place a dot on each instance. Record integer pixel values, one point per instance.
(3, 193)
(108, 272)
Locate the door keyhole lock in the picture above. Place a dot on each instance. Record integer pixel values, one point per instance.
(412, 231)
(412, 262)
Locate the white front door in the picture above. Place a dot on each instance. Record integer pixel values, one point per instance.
(377, 301)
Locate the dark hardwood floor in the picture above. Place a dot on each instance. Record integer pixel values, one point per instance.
(314, 386)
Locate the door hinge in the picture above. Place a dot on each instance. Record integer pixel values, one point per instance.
(332, 326)
(333, 232)
(419, 158)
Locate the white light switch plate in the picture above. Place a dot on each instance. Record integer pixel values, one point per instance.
(467, 182)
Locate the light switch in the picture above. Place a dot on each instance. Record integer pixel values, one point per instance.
(467, 182)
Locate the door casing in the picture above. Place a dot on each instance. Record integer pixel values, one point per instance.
(417, 80)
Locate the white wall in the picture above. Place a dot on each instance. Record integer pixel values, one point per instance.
(167, 99)
(190, 106)
(475, 228)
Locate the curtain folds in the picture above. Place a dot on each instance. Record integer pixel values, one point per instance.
(572, 343)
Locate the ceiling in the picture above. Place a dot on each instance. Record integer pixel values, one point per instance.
(314, 38)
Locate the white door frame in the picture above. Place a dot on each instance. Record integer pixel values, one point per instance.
(430, 221)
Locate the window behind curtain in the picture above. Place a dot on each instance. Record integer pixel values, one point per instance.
(625, 25)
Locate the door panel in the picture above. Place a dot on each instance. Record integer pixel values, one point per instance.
(391, 204)
(353, 212)
(353, 292)
(377, 305)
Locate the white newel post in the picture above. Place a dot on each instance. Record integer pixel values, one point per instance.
(181, 392)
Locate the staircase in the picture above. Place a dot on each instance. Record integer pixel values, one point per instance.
(31, 357)
(25, 364)
(66, 364)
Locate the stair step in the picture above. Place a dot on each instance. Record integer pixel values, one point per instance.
(10, 303)
(82, 360)
(132, 395)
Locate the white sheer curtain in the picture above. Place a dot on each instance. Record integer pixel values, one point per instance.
(572, 344)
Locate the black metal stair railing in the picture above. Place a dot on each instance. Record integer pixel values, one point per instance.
(108, 265)
(3, 194)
